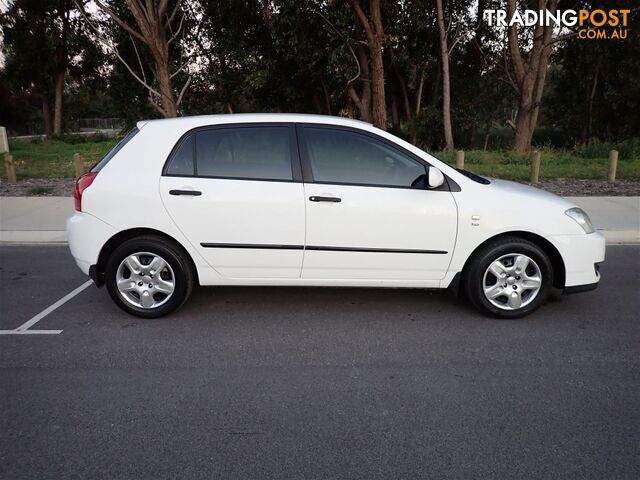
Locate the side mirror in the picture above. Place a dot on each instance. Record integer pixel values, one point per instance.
(436, 178)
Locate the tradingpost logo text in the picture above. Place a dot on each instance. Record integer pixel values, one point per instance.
(593, 24)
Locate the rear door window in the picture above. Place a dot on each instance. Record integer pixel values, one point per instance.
(258, 153)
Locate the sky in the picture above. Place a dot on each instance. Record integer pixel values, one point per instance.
(4, 6)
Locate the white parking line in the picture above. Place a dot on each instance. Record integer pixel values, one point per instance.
(24, 328)
(30, 332)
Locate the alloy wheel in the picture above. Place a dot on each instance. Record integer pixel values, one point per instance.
(512, 281)
(145, 280)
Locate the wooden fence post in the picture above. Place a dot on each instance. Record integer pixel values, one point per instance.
(613, 166)
(78, 164)
(535, 167)
(460, 159)
(4, 142)
(11, 169)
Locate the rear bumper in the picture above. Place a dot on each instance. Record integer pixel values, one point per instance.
(580, 288)
(87, 235)
(581, 255)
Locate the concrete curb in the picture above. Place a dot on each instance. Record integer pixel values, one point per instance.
(628, 237)
(43, 219)
(33, 236)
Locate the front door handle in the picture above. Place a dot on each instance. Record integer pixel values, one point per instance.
(325, 199)
(193, 193)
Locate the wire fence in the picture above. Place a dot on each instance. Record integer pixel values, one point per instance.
(84, 124)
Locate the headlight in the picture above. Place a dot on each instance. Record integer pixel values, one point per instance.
(581, 218)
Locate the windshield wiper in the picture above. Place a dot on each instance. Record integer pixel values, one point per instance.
(473, 176)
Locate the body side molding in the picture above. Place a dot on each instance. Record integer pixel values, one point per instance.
(319, 248)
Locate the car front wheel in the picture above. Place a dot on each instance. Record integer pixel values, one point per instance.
(509, 278)
(148, 277)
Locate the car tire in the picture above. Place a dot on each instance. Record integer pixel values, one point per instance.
(509, 278)
(149, 276)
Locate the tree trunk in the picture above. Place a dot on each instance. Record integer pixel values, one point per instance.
(530, 100)
(327, 98)
(446, 92)
(374, 32)
(435, 89)
(154, 21)
(169, 106)
(362, 101)
(57, 108)
(402, 83)
(395, 120)
(62, 61)
(524, 131)
(528, 109)
(530, 74)
(418, 106)
(46, 116)
(587, 130)
(316, 103)
(419, 89)
(378, 103)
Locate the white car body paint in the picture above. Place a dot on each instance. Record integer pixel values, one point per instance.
(241, 212)
(380, 218)
(130, 192)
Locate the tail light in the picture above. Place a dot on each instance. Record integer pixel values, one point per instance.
(82, 184)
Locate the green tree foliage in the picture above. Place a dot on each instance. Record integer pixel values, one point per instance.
(595, 87)
(46, 47)
(311, 56)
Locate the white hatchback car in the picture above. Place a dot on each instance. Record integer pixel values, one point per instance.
(305, 200)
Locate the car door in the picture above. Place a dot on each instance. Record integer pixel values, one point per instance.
(236, 194)
(369, 212)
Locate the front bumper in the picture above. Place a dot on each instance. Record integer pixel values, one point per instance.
(581, 255)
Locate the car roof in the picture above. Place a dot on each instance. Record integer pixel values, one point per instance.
(201, 120)
(170, 127)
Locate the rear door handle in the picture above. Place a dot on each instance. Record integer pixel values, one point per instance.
(193, 193)
(325, 199)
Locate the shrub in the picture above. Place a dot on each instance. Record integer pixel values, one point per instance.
(40, 190)
(75, 139)
(628, 149)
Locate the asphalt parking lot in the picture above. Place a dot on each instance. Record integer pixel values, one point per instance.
(316, 383)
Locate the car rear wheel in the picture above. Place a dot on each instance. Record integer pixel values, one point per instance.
(509, 278)
(149, 277)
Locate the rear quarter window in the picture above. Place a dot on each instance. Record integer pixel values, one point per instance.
(181, 162)
(112, 153)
